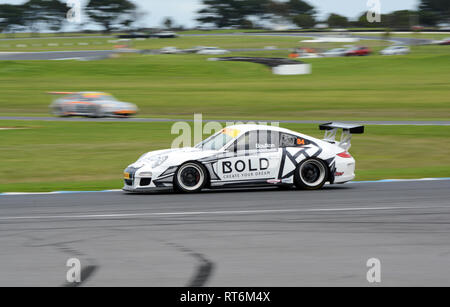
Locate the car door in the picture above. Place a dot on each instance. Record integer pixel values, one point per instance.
(70, 103)
(253, 158)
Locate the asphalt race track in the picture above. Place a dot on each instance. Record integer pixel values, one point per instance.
(262, 237)
(56, 55)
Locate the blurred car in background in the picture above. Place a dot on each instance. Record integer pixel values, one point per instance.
(212, 51)
(445, 41)
(170, 50)
(165, 34)
(358, 51)
(309, 55)
(90, 104)
(335, 52)
(395, 50)
(135, 35)
(306, 53)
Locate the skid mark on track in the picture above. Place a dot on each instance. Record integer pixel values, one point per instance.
(86, 273)
(204, 268)
(66, 247)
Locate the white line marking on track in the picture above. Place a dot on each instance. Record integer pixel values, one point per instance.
(188, 213)
(118, 190)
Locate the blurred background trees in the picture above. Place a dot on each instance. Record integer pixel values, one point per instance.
(111, 14)
(34, 15)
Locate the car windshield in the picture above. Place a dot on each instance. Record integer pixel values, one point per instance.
(218, 140)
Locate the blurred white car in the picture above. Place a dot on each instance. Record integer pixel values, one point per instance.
(170, 50)
(90, 104)
(212, 51)
(334, 52)
(395, 50)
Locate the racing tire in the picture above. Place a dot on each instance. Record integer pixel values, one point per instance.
(59, 111)
(311, 174)
(190, 177)
(96, 113)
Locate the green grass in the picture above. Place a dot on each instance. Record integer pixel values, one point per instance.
(46, 44)
(44, 35)
(176, 86)
(52, 156)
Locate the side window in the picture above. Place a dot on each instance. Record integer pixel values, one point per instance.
(256, 140)
(73, 97)
(264, 139)
(242, 143)
(289, 140)
(80, 98)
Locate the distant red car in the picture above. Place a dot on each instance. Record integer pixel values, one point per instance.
(358, 51)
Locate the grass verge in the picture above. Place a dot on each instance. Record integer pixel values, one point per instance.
(175, 86)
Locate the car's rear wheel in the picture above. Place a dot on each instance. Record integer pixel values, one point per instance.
(96, 112)
(190, 177)
(311, 174)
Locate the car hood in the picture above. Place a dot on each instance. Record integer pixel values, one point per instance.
(175, 156)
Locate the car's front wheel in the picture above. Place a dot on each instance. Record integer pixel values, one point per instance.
(190, 177)
(59, 111)
(311, 174)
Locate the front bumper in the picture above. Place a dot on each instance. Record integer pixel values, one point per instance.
(124, 113)
(129, 189)
(133, 182)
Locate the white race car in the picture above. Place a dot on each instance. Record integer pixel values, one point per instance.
(90, 104)
(169, 50)
(335, 52)
(395, 50)
(248, 155)
(212, 51)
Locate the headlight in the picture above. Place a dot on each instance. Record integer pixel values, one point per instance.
(157, 161)
(154, 161)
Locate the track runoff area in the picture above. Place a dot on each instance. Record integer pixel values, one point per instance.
(381, 233)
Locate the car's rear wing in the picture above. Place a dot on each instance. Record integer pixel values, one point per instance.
(346, 136)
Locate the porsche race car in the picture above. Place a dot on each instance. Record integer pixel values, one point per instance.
(248, 155)
(90, 104)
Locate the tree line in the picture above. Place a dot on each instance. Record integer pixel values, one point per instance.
(121, 14)
(52, 15)
(250, 13)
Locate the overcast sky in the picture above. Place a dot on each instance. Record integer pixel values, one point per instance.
(184, 11)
